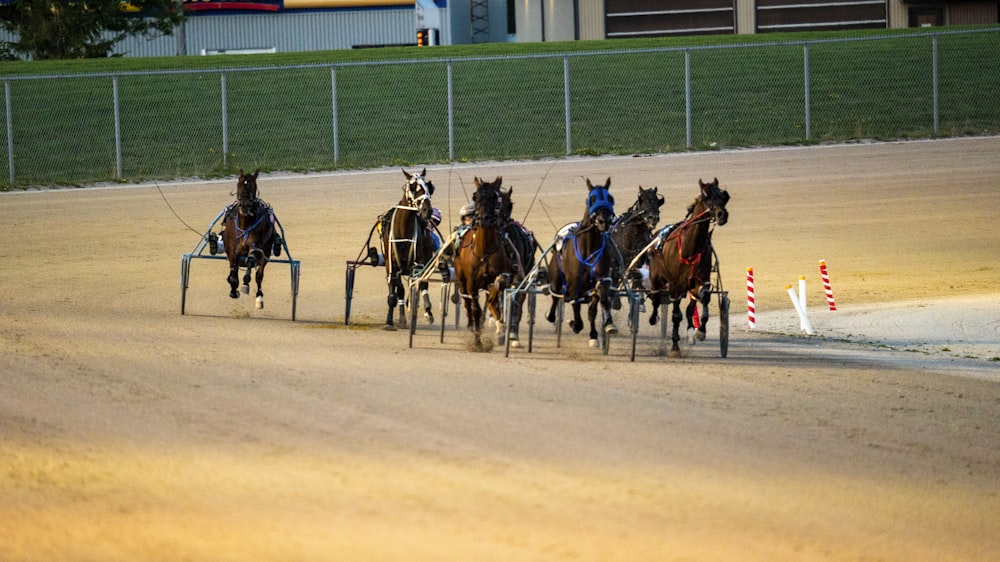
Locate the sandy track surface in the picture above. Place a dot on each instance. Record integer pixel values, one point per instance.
(131, 432)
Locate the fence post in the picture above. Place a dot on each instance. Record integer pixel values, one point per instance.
(225, 124)
(336, 127)
(805, 73)
(10, 131)
(687, 94)
(451, 116)
(118, 129)
(569, 133)
(934, 72)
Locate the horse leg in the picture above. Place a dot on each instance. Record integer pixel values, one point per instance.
(577, 323)
(392, 300)
(493, 297)
(606, 306)
(551, 316)
(692, 322)
(261, 262)
(705, 295)
(654, 303)
(592, 307)
(676, 316)
(233, 279)
(517, 305)
(428, 313)
(401, 301)
(475, 314)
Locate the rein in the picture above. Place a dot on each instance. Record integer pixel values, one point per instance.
(244, 233)
(678, 233)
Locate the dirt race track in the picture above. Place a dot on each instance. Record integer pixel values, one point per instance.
(130, 432)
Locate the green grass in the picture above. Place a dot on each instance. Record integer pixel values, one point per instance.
(626, 97)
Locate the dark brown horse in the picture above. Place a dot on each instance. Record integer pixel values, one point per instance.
(581, 269)
(633, 230)
(407, 244)
(249, 236)
(521, 247)
(482, 262)
(681, 261)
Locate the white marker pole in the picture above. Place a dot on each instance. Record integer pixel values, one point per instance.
(798, 308)
(802, 300)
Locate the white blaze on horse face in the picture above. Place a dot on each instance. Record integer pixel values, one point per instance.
(417, 191)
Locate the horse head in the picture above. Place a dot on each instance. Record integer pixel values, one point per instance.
(714, 200)
(246, 193)
(417, 192)
(506, 204)
(487, 199)
(648, 206)
(600, 206)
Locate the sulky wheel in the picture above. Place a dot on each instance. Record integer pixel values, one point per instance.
(413, 312)
(635, 304)
(724, 323)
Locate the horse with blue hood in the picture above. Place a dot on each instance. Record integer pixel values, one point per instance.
(582, 268)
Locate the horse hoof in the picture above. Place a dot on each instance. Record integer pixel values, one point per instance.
(593, 343)
(389, 328)
(429, 317)
(245, 289)
(234, 294)
(674, 354)
(259, 303)
(699, 335)
(616, 304)
(690, 337)
(515, 343)
(611, 329)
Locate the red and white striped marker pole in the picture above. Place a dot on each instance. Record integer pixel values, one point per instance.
(826, 285)
(751, 312)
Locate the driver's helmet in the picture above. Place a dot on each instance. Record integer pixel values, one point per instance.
(468, 210)
(436, 216)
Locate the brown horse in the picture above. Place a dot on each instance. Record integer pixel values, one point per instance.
(633, 230)
(682, 261)
(521, 247)
(249, 236)
(407, 244)
(482, 261)
(581, 270)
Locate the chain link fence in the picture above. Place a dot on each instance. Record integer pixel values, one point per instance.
(85, 129)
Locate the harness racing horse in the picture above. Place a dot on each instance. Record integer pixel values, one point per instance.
(249, 236)
(407, 244)
(521, 246)
(482, 261)
(681, 261)
(633, 230)
(581, 270)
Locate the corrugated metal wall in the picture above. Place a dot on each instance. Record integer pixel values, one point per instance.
(966, 13)
(898, 16)
(746, 20)
(591, 19)
(284, 32)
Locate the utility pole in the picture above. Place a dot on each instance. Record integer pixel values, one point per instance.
(181, 37)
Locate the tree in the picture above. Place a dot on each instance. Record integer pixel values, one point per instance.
(83, 28)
